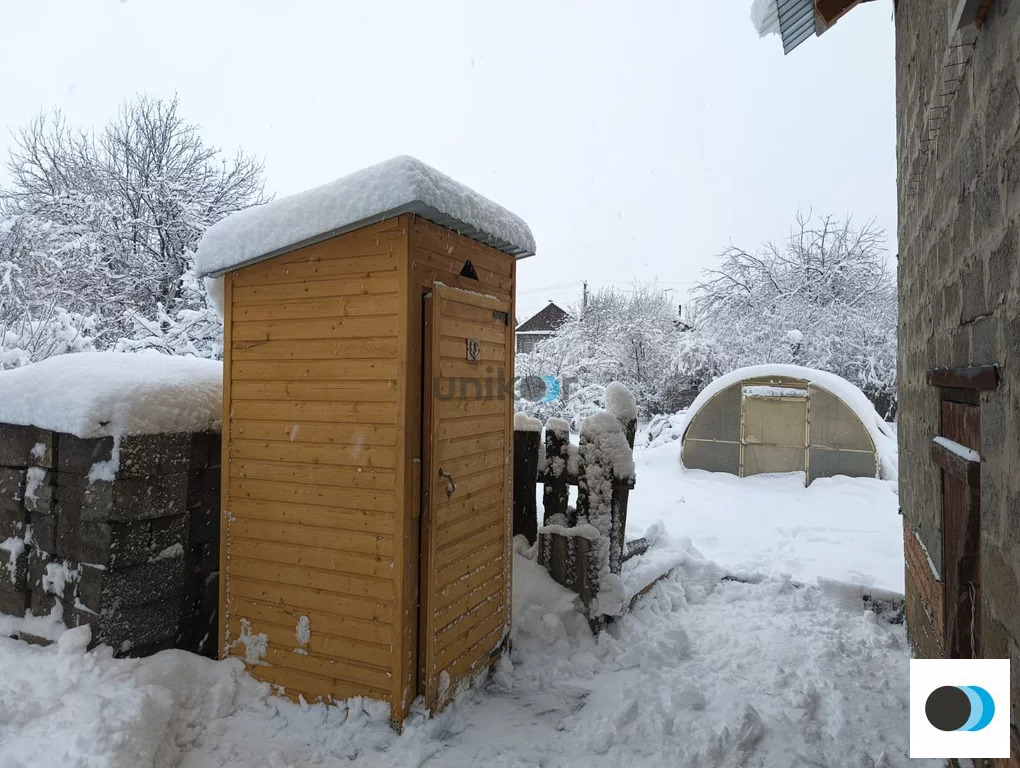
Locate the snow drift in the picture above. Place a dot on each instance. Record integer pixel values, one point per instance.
(704, 672)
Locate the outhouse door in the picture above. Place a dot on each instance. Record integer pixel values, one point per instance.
(467, 435)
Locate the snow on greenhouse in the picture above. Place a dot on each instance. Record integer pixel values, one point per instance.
(786, 418)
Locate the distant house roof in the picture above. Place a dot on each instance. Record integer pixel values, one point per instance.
(383, 191)
(546, 321)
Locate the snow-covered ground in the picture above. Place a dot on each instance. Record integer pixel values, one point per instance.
(841, 528)
(706, 671)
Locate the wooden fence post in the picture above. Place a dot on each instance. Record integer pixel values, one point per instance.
(555, 495)
(587, 568)
(594, 478)
(526, 442)
(557, 454)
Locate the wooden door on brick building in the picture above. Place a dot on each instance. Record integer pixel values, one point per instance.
(961, 525)
(465, 534)
(956, 450)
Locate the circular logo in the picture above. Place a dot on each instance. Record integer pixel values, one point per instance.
(539, 389)
(532, 388)
(960, 708)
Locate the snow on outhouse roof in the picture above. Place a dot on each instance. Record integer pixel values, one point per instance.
(384, 191)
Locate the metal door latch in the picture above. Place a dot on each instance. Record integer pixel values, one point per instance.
(450, 486)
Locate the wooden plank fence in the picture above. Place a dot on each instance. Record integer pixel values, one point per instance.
(582, 546)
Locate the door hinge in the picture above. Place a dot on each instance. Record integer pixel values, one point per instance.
(501, 315)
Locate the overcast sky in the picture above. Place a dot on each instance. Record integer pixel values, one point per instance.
(637, 139)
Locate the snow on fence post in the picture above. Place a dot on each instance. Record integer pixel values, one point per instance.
(621, 403)
(527, 434)
(582, 547)
(605, 460)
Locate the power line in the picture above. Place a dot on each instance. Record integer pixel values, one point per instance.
(576, 283)
(648, 282)
(558, 286)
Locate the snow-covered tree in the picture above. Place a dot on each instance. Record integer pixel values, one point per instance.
(628, 336)
(36, 336)
(823, 298)
(35, 326)
(107, 221)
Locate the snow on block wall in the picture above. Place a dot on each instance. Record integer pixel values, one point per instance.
(97, 394)
(119, 533)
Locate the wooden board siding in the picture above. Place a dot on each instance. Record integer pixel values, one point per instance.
(438, 255)
(312, 462)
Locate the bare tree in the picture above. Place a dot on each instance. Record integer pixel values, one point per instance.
(824, 298)
(823, 264)
(111, 218)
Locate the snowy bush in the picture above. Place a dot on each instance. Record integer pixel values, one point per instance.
(665, 428)
(35, 335)
(197, 332)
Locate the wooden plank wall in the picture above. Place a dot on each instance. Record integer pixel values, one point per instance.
(313, 490)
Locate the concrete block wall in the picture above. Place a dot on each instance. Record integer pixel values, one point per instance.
(959, 280)
(121, 534)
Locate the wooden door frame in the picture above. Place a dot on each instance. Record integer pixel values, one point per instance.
(424, 491)
(743, 430)
(961, 386)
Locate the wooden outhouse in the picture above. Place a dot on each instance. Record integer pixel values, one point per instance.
(367, 425)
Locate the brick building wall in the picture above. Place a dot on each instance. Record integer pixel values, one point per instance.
(959, 280)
